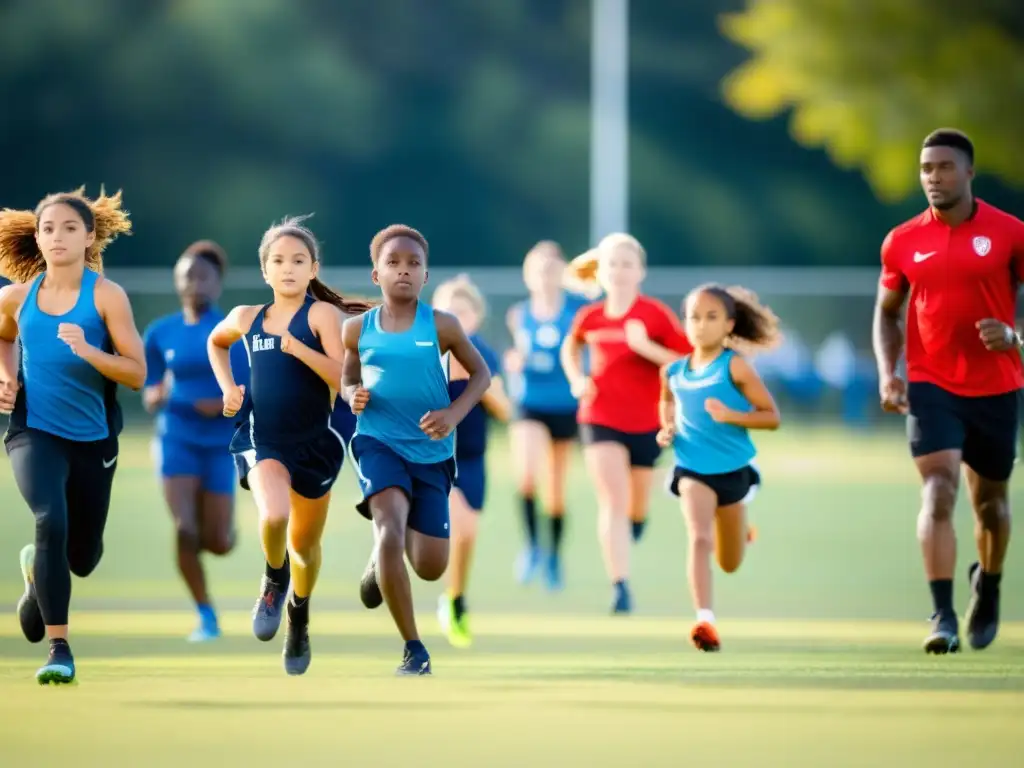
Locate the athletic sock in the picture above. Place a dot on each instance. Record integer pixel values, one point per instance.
(638, 529)
(989, 584)
(279, 576)
(705, 616)
(942, 597)
(557, 526)
(530, 519)
(458, 607)
(298, 609)
(206, 613)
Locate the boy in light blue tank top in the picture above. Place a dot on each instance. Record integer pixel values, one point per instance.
(710, 399)
(395, 378)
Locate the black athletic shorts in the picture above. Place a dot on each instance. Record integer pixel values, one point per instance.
(984, 429)
(642, 446)
(561, 426)
(730, 487)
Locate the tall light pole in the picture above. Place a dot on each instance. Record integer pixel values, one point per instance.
(609, 118)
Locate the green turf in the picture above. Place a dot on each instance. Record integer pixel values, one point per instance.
(821, 663)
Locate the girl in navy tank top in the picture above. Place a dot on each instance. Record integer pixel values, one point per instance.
(710, 399)
(285, 448)
(78, 341)
(462, 299)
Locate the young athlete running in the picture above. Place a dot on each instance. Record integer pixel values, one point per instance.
(395, 379)
(545, 422)
(286, 452)
(78, 341)
(192, 434)
(629, 337)
(710, 399)
(462, 299)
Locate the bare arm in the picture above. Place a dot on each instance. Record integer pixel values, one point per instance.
(351, 368)
(667, 402)
(887, 330)
(128, 365)
(766, 413)
(452, 338)
(218, 345)
(496, 400)
(324, 321)
(571, 357)
(11, 298)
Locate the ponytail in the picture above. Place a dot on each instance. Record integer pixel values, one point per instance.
(20, 259)
(320, 291)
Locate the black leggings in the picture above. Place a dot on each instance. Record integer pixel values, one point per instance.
(67, 486)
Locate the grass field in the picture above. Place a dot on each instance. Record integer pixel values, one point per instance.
(821, 664)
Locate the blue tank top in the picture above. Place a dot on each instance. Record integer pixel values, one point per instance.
(63, 394)
(288, 402)
(471, 435)
(177, 348)
(406, 376)
(701, 443)
(542, 385)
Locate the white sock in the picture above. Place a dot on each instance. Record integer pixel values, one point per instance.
(705, 616)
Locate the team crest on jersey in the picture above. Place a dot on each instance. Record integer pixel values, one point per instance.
(982, 245)
(548, 336)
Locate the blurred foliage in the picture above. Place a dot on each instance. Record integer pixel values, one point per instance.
(867, 79)
(468, 120)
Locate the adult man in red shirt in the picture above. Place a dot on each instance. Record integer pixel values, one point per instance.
(960, 262)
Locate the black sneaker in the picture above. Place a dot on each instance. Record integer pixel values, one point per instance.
(60, 665)
(29, 615)
(266, 615)
(369, 589)
(297, 651)
(945, 636)
(414, 664)
(982, 615)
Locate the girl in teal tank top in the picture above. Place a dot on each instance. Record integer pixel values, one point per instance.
(710, 399)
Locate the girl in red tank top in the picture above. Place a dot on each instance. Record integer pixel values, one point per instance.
(629, 337)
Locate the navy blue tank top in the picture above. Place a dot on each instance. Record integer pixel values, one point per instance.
(288, 402)
(61, 393)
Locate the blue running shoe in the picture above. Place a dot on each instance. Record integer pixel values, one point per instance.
(945, 636)
(414, 664)
(29, 615)
(553, 573)
(622, 602)
(266, 615)
(208, 628)
(60, 665)
(527, 564)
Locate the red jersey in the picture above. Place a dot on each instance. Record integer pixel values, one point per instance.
(627, 386)
(958, 276)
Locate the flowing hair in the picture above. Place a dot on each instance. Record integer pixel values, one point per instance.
(755, 326)
(20, 258)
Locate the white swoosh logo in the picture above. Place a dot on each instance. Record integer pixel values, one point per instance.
(919, 257)
(109, 464)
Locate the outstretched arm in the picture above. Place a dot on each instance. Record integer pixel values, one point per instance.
(128, 365)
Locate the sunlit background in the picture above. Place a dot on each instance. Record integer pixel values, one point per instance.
(770, 143)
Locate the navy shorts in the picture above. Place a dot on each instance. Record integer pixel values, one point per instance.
(214, 466)
(313, 465)
(471, 479)
(561, 426)
(427, 486)
(734, 487)
(642, 446)
(984, 429)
